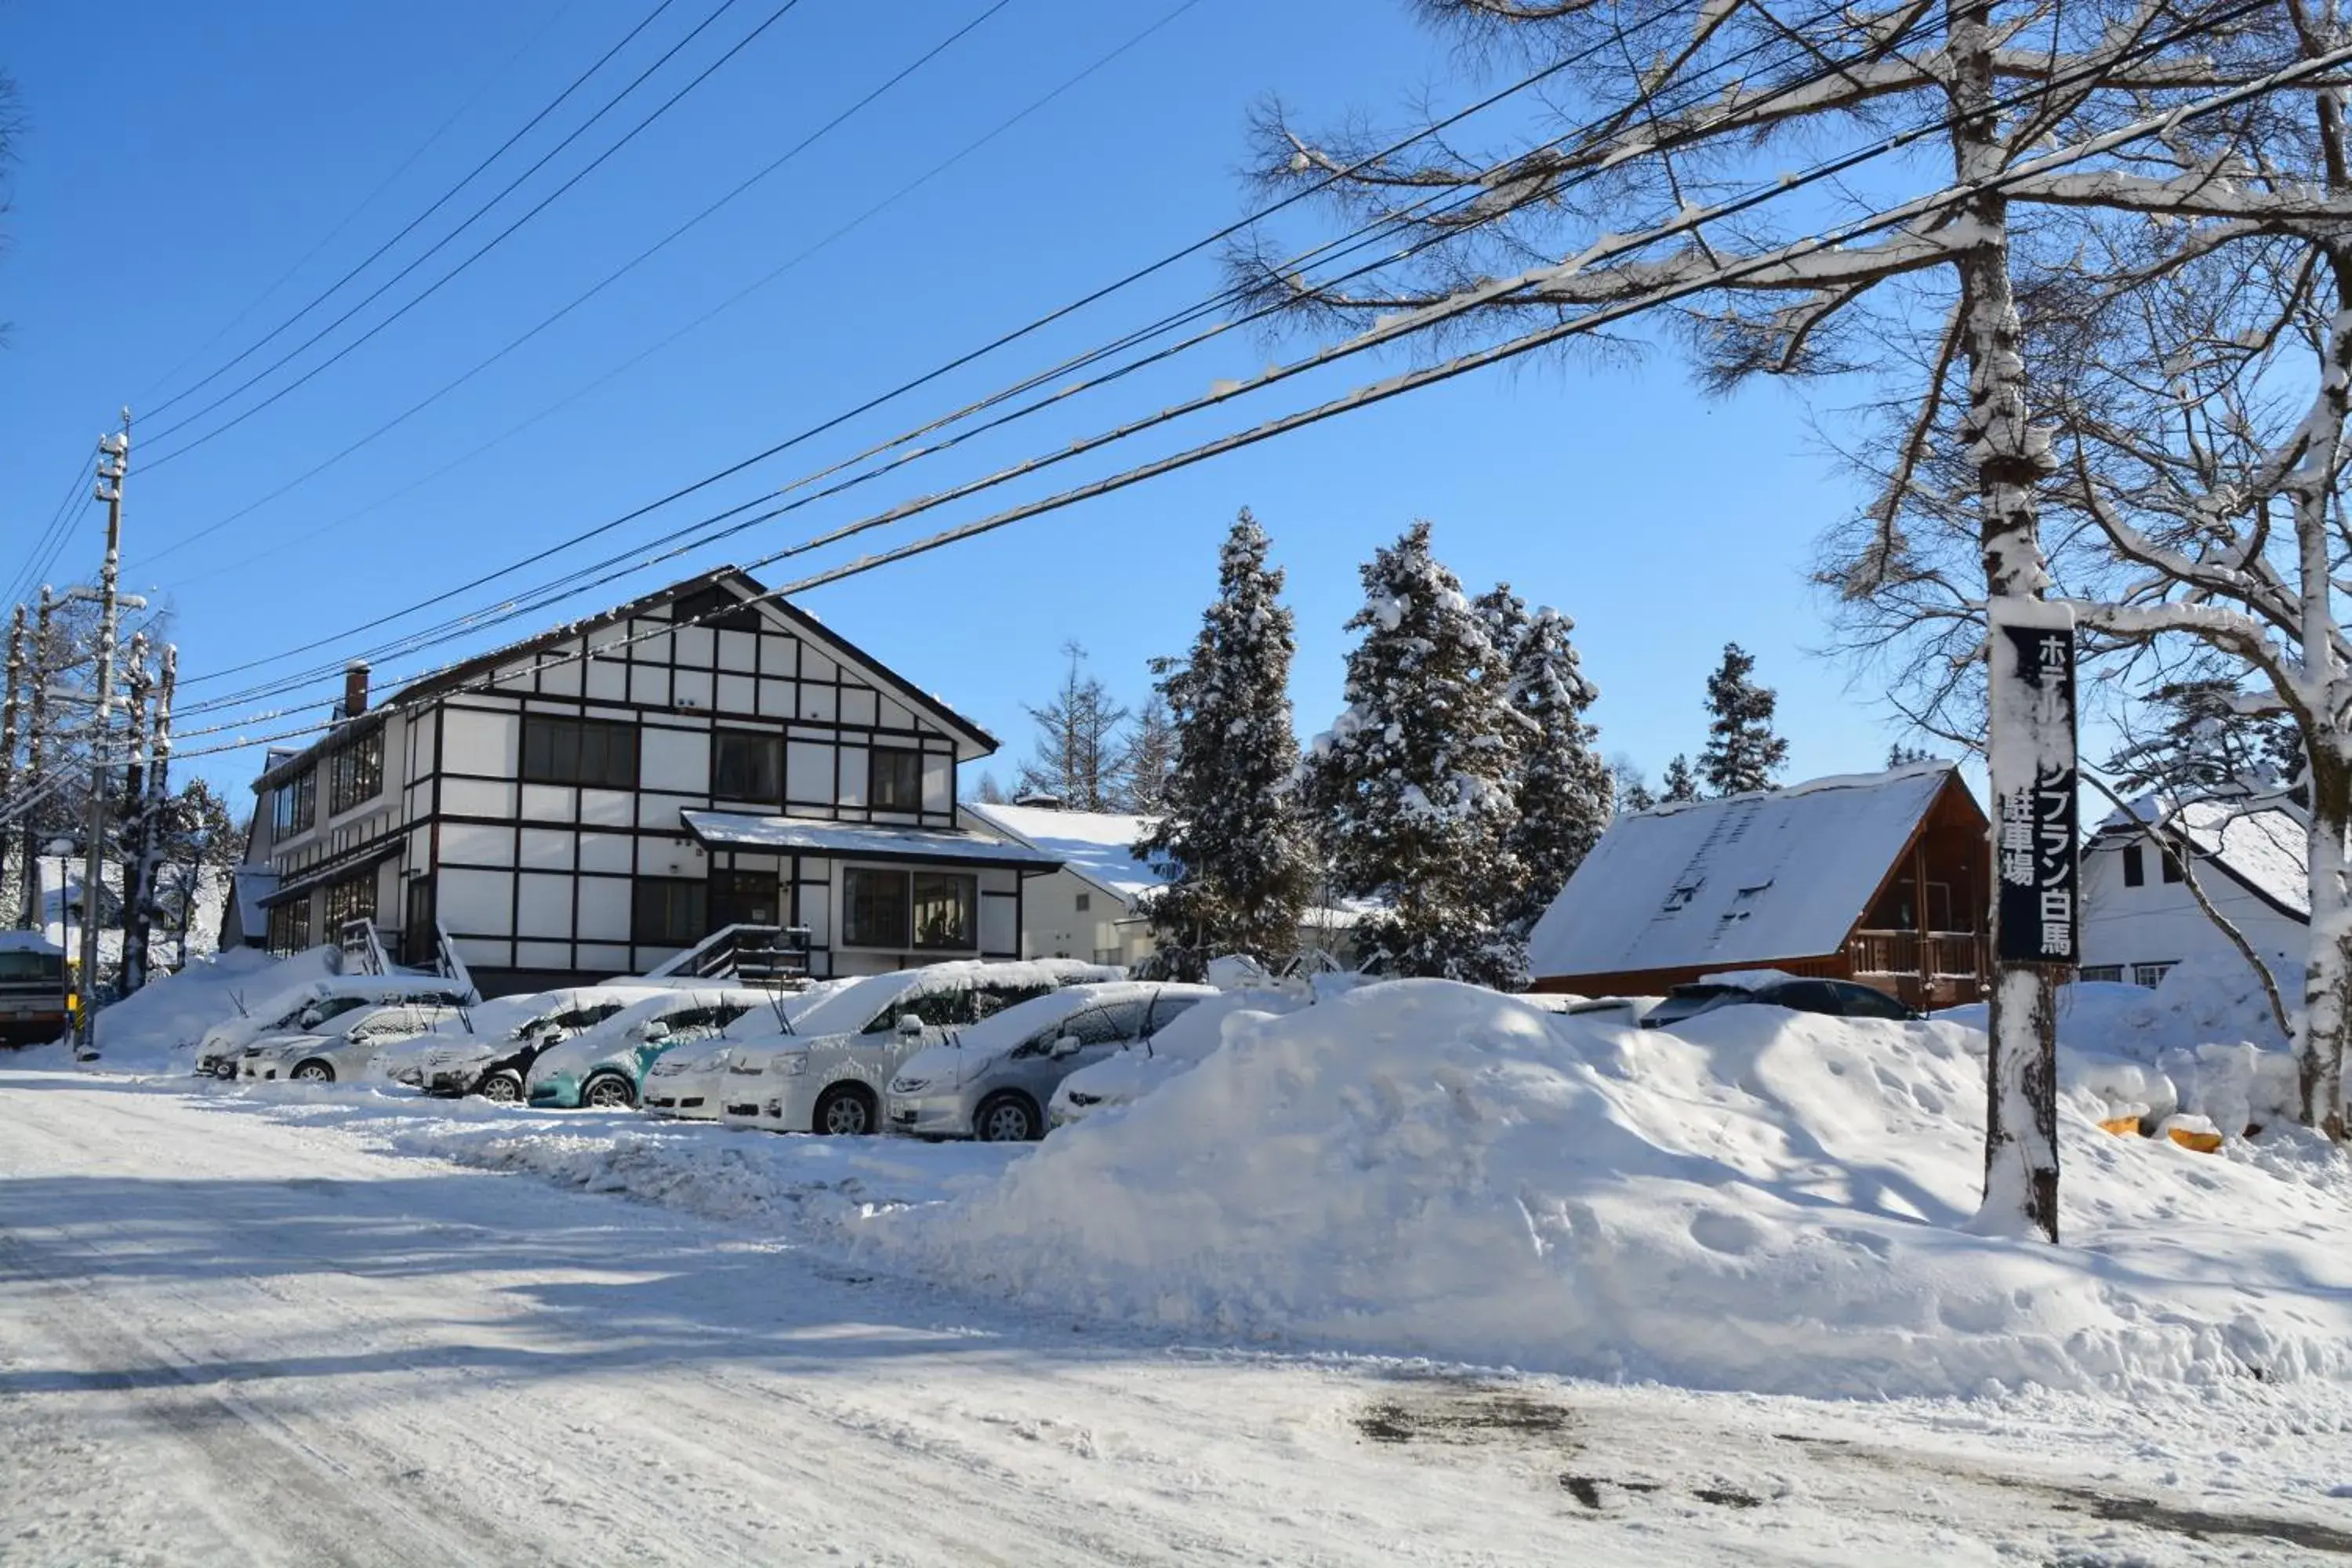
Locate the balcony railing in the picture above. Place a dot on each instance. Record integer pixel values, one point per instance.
(1925, 956)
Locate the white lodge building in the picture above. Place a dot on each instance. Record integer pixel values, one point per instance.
(593, 800)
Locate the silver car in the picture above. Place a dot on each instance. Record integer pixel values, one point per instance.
(343, 1055)
(995, 1080)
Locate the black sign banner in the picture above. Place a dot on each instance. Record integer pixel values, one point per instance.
(2037, 828)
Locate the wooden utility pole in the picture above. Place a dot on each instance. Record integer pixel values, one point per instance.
(29, 912)
(132, 829)
(9, 800)
(113, 461)
(155, 816)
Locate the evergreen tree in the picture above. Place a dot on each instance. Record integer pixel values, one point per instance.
(1228, 835)
(1680, 784)
(1076, 758)
(1565, 792)
(2197, 739)
(1742, 754)
(1899, 755)
(1632, 791)
(1148, 756)
(1413, 782)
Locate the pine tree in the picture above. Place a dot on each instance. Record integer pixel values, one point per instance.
(1742, 754)
(1565, 792)
(1229, 837)
(1147, 758)
(1077, 759)
(1899, 755)
(1412, 783)
(1680, 784)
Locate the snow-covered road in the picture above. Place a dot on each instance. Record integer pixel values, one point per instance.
(233, 1338)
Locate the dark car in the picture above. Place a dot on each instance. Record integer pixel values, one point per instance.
(1837, 998)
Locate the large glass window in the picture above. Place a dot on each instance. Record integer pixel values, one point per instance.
(356, 773)
(592, 752)
(897, 779)
(289, 927)
(745, 765)
(352, 898)
(294, 808)
(947, 910)
(670, 912)
(873, 908)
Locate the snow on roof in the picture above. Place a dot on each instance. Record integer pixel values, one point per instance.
(1098, 846)
(28, 941)
(2264, 846)
(813, 836)
(1733, 883)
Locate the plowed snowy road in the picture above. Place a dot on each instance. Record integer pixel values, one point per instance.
(229, 1340)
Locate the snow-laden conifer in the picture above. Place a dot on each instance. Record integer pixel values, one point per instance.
(1230, 837)
(1565, 792)
(1413, 782)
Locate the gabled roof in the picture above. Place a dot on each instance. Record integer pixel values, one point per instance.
(817, 835)
(2262, 847)
(1731, 883)
(1097, 846)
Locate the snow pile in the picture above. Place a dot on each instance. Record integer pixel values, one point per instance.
(156, 1029)
(2203, 1042)
(1763, 1200)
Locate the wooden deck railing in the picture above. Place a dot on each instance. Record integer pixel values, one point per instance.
(1924, 955)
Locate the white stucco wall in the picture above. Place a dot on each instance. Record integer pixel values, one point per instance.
(2159, 922)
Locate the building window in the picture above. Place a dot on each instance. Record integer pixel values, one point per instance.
(2150, 974)
(295, 808)
(715, 607)
(929, 911)
(897, 778)
(747, 766)
(2171, 863)
(1086, 903)
(356, 773)
(873, 908)
(289, 927)
(592, 752)
(670, 912)
(947, 911)
(2135, 867)
(420, 938)
(352, 898)
(2113, 971)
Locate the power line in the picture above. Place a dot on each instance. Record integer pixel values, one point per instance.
(492, 79)
(495, 240)
(598, 288)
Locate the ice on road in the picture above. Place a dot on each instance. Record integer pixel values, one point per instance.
(230, 1339)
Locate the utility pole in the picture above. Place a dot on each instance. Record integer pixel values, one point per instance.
(113, 461)
(133, 827)
(8, 706)
(155, 817)
(29, 912)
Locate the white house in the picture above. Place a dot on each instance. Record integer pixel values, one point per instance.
(1088, 909)
(594, 800)
(2139, 918)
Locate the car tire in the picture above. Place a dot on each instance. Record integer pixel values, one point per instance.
(845, 1111)
(608, 1091)
(312, 1072)
(504, 1087)
(1008, 1118)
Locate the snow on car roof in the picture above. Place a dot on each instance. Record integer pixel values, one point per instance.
(28, 941)
(1025, 1019)
(1730, 883)
(1098, 846)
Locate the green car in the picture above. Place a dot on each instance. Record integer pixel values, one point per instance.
(605, 1068)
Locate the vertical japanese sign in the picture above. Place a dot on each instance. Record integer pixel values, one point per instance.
(2036, 829)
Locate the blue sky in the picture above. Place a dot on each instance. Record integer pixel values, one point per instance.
(174, 166)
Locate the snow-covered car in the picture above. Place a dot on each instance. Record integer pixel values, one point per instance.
(830, 1072)
(501, 1039)
(303, 1008)
(344, 1054)
(994, 1080)
(605, 1068)
(1137, 1068)
(1837, 998)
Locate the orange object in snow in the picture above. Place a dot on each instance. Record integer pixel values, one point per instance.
(2121, 1126)
(2202, 1142)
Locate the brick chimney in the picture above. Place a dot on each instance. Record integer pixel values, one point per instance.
(355, 689)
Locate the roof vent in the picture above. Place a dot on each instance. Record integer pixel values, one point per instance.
(1039, 799)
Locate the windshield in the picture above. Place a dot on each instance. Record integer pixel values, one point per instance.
(32, 968)
(1683, 1001)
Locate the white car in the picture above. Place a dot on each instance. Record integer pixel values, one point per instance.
(342, 1056)
(605, 1068)
(303, 1008)
(494, 1054)
(1138, 1068)
(829, 1073)
(994, 1080)
(689, 1083)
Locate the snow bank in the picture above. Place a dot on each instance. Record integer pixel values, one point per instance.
(156, 1029)
(1764, 1200)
